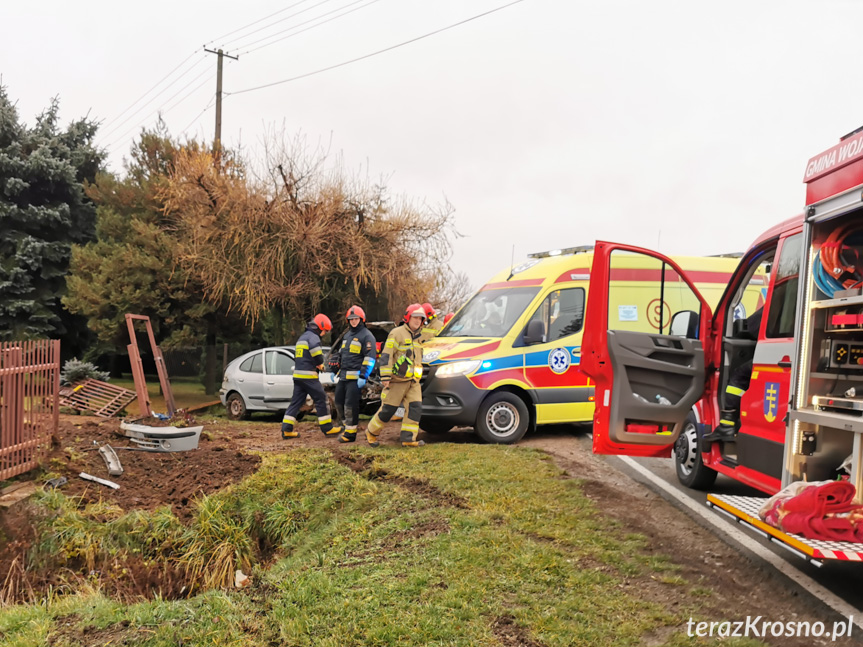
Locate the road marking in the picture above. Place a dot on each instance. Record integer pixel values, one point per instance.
(827, 597)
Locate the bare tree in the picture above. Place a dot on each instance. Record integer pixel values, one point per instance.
(299, 235)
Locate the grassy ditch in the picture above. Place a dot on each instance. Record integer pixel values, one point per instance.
(452, 545)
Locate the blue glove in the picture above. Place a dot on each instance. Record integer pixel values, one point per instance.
(361, 382)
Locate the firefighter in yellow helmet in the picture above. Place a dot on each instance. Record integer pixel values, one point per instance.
(401, 365)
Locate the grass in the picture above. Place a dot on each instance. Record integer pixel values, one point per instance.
(431, 547)
(188, 392)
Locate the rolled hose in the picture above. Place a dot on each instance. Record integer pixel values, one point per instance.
(833, 271)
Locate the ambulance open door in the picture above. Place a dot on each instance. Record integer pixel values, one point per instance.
(642, 345)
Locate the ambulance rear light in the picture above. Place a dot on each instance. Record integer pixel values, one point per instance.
(567, 251)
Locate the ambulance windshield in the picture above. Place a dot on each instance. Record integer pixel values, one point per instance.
(490, 313)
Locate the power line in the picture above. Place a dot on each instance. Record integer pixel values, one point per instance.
(161, 92)
(276, 13)
(255, 49)
(380, 51)
(275, 22)
(200, 114)
(124, 136)
(150, 90)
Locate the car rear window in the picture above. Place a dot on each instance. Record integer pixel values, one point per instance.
(253, 364)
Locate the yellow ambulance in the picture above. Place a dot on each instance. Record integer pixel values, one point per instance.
(509, 359)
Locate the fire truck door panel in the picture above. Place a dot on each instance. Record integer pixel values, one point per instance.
(656, 379)
(763, 408)
(647, 380)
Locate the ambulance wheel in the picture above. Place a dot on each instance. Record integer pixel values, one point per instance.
(691, 472)
(503, 418)
(236, 407)
(436, 427)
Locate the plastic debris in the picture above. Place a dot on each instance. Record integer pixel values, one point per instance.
(241, 579)
(96, 479)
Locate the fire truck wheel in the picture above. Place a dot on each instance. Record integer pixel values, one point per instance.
(236, 407)
(691, 472)
(503, 418)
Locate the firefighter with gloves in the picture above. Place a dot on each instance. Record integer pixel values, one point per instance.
(309, 360)
(357, 361)
(401, 371)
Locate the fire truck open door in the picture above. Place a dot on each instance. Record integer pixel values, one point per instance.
(643, 347)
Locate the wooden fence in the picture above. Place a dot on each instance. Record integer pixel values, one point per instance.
(29, 407)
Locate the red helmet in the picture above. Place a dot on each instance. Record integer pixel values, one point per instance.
(414, 310)
(356, 311)
(430, 311)
(449, 315)
(323, 322)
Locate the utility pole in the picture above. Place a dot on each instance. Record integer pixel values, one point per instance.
(210, 360)
(217, 142)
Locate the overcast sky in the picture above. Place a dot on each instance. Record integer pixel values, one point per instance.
(676, 125)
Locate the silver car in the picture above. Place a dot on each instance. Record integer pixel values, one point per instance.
(261, 380)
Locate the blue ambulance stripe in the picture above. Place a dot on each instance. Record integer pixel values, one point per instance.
(541, 358)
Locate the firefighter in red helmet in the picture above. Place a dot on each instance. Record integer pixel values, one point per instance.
(357, 356)
(433, 323)
(401, 371)
(309, 360)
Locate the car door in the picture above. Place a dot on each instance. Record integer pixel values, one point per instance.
(648, 373)
(278, 378)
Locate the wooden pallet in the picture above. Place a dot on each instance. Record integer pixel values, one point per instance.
(103, 399)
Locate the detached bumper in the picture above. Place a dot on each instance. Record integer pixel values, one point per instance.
(453, 400)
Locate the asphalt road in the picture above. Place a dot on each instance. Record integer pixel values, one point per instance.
(843, 579)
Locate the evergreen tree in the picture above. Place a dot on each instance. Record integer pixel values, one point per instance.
(43, 212)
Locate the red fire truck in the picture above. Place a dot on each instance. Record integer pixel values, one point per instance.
(801, 417)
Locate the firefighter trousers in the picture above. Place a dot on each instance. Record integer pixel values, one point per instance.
(302, 389)
(407, 394)
(348, 404)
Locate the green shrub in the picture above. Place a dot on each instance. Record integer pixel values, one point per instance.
(74, 370)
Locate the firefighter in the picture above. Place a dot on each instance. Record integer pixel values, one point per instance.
(738, 384)
(309, 360)
(433, 323)
(449, 315)
(401, 371)
(357, 357)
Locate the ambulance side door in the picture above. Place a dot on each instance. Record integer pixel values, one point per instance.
(648, 372)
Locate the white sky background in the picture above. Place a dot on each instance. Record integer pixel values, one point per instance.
(676, 125)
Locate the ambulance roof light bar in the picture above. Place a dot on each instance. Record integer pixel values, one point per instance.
(567, 251)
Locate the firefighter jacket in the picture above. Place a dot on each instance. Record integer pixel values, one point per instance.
(308, 354)
(402, 356)
(357, 353)
(431, 329)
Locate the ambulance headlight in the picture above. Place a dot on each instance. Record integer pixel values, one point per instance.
(458, 368)
(430, 356)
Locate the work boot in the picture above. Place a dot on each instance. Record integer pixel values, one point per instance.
(290, 434)
(333, 432)
(372, 439)
(347, 437)
(726, 431)
(414, 443)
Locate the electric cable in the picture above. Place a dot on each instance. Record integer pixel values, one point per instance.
(275, 13)
(113, 146)
(278, 40)
(110, 132)
(160, 81)
(276, 22)
(380, 51)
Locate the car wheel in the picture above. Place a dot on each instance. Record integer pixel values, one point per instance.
(435, 426)
(503, 418)
(691, 472)
(236, 407)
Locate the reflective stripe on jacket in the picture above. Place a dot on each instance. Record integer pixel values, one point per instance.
(358, 353)
(402, 356)
(309, 355)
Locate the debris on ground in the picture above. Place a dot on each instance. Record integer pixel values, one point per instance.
(101, 398)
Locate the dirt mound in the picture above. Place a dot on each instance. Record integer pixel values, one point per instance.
(149, 479)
